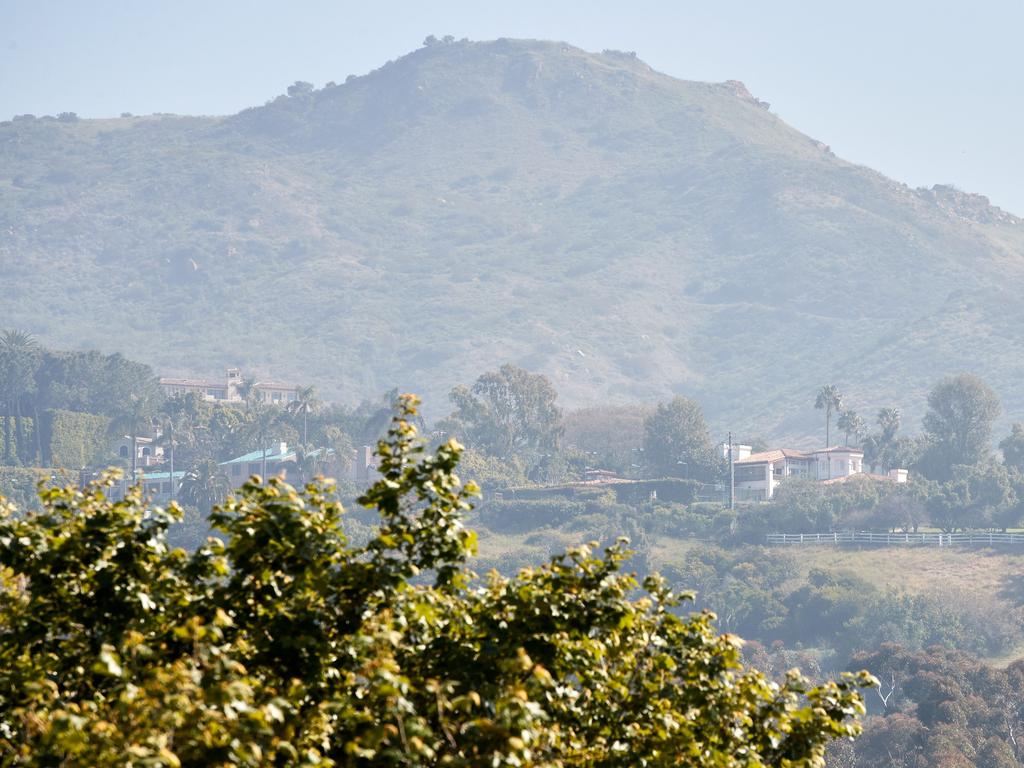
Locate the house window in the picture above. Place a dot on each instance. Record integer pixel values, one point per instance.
(236, 470)
(749, 474)
(167, 487)
(124, 451)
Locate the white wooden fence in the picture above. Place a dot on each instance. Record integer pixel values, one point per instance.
(976, 538)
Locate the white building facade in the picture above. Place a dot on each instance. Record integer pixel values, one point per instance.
(757, 475)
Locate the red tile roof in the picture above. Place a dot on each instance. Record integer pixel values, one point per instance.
(788, 453)
(167, 381)
(777, 455)
(841, 449)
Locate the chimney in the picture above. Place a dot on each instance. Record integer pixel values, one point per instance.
(739, 452)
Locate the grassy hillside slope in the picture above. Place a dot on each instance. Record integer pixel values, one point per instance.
(627, 233)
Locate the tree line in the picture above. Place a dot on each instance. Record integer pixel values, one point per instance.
(516, 434)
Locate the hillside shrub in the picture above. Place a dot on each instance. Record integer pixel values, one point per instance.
(667, 489)
(519, 515)
(942, 708)
(541, 493)
(680, 521)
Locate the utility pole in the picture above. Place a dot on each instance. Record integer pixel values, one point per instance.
(170, 434)
(732, 477)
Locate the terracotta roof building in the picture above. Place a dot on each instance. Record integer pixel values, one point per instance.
(757, 475)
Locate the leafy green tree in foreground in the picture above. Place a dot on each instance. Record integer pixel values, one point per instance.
(285, 645)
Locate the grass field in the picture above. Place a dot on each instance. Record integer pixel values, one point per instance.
(917, 569)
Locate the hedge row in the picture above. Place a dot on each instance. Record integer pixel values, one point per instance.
(668, 489)
(67, 439)
(74, 439)
(25, 448)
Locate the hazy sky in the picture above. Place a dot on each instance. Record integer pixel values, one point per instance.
(926, 92)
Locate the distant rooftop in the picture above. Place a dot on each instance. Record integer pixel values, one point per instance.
(788, 453)
(777, 455)
(168, 381)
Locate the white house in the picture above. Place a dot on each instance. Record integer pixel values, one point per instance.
(757, 475)
(147, 454)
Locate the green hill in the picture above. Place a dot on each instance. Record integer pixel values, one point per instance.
(629, 234)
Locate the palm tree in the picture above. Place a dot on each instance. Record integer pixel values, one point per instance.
(166, 422)
(308, 462)
(247, 390)
(204, 485)
(872, 451)
(136, 415)
(304, 404)
(851, 424)
(889, 421)
(176, 428)
(259, 427)
(828, 400)
(19, 360)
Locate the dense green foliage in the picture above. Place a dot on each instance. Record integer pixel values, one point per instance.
(507, 413)
(59, 406)
(961, 412)
(938, 708)
(286, 645)
(677, 442)
(631, 235)
(19, 358)
(75, 439)
(18, 435)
